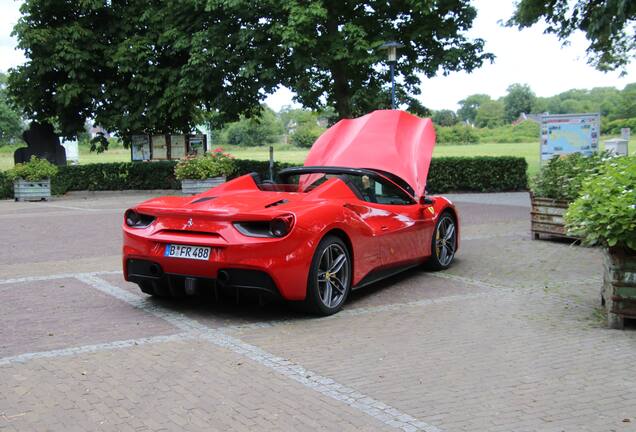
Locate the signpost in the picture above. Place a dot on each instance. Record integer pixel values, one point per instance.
(569, 133)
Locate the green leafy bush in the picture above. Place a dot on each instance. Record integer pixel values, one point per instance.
(526, 131)
(614, 127)
(561, 178)
(6, 186)
(605, 212)
(34, 170)
(458, 134)
(214, 164)
(305, 137)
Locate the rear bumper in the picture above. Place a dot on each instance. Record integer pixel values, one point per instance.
(151, 275)
(275, 266)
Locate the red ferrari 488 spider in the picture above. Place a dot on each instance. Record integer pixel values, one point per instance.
(354, 214)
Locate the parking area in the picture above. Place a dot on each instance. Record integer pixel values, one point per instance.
(511, 338)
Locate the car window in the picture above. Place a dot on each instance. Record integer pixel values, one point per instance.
(378, 191)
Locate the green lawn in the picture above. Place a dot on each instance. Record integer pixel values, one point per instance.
(282, 153)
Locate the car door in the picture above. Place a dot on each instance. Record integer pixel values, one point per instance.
(406, 228)
(402, 227)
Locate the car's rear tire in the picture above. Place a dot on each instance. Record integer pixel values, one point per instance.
(443, 242)
(329, 281)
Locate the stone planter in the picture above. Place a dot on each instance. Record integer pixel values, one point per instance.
(619, 286)
(193, 187)
(546, 217)
(24, 190)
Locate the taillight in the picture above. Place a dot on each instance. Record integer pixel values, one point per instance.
(137, 220)
(281, 226)
(278, 227)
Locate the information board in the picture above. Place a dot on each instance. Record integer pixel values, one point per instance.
(140, 148)
(177, 146)
(569, 133)
(159, 147)
(196, 145)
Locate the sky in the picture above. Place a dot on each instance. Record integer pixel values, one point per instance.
(527, 57)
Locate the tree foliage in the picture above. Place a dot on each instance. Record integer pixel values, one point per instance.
(609, 26)
(163, 66)
(490, 114)
(468, 107)
(332, 48)
(445, 117)
(260, 130)
(141, 66)
(520, 99)
(11, 124)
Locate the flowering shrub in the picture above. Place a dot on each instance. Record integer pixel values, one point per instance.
(605, 212)
(214, 164)
(34, 170)
(561, 178)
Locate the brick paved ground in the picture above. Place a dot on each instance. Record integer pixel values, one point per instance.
(508, 339)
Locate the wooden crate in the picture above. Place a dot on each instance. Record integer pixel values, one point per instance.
(619, 286)
(547, 217)
(24, 190)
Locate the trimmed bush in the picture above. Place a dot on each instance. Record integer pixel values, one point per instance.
(6, 186)
(477, 174)
(447, 174)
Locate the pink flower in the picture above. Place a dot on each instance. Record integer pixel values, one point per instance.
(218, 150)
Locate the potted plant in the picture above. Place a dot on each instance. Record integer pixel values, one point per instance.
(555, 187)
(200, 173)
(605, 214)
(32, 180)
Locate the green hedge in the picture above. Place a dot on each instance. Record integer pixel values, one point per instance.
(477, 174)
(447, 174)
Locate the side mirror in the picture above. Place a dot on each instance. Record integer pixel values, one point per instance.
(425, 201)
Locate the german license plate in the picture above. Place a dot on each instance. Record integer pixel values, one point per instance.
(188, 252)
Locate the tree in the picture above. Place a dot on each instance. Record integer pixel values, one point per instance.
(627, 104)
(490, 114)
(256, 131)
(11, 124)
(445, 117)
(609, 26)
(520, 99)
(333, 56)
(142, 66)
(468, 107)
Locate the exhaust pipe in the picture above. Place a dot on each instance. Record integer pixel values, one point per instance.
(223, 276)
(190, 286)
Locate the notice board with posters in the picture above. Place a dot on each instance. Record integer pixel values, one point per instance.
(140, 148)
(563, 134)
(177, 146)
(166, 147)
(159, 147)
(197, 145)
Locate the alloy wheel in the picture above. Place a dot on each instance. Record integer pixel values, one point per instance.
(445, 240)
(333, 275)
